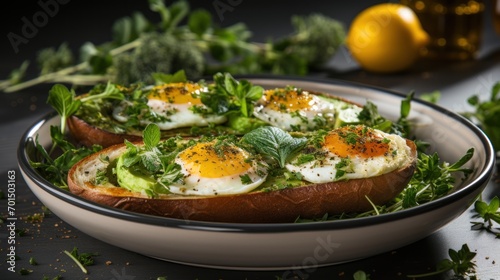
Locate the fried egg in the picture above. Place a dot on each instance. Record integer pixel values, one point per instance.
(293, 109)
(171, 106)
(212, 168)
(351, 152)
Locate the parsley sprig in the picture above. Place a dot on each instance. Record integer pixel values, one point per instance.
(234, 98)
(228, 94)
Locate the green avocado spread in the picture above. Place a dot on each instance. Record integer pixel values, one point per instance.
(131, 181)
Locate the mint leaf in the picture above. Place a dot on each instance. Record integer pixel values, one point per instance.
(64, 102)
(150, 157)
(151, 136)
(275, 143)
(151, 160)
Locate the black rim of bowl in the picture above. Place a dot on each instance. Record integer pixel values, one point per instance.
(481, 180)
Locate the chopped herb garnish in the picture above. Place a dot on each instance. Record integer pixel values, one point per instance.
(245, 179)
(20, 232)
(305, 158)
(343, 167)
(25, 271)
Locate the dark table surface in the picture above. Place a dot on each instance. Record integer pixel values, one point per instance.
(45, 241)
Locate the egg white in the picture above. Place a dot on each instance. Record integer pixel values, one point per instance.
(170, 115)
(321, 109)
(300, 119)
(180, 115)
(324, 170)
(194, 184)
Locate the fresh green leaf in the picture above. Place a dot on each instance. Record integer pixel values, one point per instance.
(245, 179)
(343, 167)
(410, 197)
(457, 166)
(163, 78)
(64, 102)
(489, 213)
(110, 92)
(233, 94)
(275, 143)
(151, 160)
(151, 135)
(171, 174)
(56, 169)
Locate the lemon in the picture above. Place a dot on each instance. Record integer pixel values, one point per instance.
(386, 38)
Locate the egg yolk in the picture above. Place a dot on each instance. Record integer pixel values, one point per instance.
(207, 160)
(176, 93)
(288, 100)
(356, 141)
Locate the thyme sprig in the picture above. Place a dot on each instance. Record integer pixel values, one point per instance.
(490, 213)
(461, 262)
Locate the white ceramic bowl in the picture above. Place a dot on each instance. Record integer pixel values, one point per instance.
(282, 246)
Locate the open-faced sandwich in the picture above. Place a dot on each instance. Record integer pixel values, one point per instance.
(109, 114)
(232, 151)
(265, 176)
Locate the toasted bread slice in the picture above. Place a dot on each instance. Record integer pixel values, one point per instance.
(281, 206)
